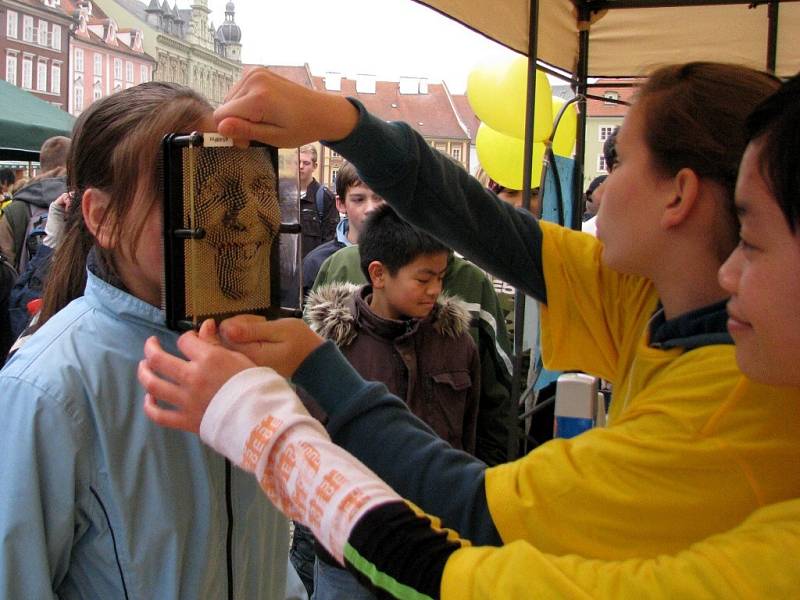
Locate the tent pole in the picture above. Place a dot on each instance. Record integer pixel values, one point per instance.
(772, 35)
(519, 297)
(582, 76)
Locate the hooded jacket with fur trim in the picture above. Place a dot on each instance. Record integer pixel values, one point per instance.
(431, 363)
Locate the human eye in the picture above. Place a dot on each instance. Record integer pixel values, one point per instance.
(746, 246)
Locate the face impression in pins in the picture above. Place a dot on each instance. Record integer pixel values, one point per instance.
(236, 204)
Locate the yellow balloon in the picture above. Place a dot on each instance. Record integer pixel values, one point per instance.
(497, 94)
(564, 140)
(501, 156)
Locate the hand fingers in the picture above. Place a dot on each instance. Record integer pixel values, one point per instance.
(248, 106)
(247, 74)
(161, 361)
(159, 387)
(166, 417)
(242, 328)
(241, 129)
(194, 347)
(208, 332)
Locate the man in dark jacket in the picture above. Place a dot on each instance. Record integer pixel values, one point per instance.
(318, 214)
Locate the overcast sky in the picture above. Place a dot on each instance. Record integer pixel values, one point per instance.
(386, 38)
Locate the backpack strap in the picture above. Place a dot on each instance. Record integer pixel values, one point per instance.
(17, 215)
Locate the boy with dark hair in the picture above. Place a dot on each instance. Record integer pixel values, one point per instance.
(399, 330)
(355, 200)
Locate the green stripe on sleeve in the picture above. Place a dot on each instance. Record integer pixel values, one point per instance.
(381, 580)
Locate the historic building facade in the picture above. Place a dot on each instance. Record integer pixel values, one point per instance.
(104, 57)
(34, 44)
(186, 46)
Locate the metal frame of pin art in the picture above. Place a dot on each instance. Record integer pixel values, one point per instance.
(221, 229)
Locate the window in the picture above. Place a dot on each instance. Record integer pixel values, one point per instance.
(41, 33)
(27, 28)
(334, 154)
(456, 153)
(11, 68)
(334, 175)
(601, 163)
(129, 72)
(605, 133)
(11, 24)
(27, 72)
(144, 75)
(117, 68)
(98, 63)
(41, 76)
(440, 146)
(55, 78)
(611, 95)
(98, 92)
(56, 45)
(79, 60)
(78, 103)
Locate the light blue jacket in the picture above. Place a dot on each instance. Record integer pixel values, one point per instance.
(97, 502)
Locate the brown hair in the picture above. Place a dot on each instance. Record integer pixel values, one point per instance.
(346, 178)
(115, 148)
(694, 117)
(53, 153)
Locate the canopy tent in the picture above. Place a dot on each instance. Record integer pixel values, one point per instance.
(626, 37)
(26, 122)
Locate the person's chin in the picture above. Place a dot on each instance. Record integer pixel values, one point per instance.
(425, 309)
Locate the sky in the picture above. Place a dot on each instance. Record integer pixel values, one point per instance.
(386, 38)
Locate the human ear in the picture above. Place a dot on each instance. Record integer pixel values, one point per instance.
(377, 274)
(341, 206)
(94, 204)
(685, 191)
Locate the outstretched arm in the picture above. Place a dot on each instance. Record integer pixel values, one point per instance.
(427, 188)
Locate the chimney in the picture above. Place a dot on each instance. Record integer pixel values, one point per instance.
(365, 84)
(333, 81)
(409, 85)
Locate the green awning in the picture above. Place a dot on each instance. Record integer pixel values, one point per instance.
(28, 121)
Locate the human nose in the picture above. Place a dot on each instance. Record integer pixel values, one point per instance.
(730, 272)
(434, 287)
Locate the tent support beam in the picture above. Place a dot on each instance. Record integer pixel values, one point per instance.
(772, 36)
(519, 297)
(582, 77)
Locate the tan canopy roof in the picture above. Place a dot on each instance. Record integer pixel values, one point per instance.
(628, 41)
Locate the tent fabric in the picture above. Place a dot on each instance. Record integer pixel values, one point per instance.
(28, 121)
(630, 41)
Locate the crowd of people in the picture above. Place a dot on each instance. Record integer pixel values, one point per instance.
(382, 424)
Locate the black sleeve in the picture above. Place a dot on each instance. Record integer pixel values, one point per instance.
(399, 553)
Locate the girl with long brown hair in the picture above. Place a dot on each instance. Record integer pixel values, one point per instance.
(97, 502)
